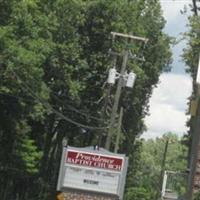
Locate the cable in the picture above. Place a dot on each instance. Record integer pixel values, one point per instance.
(48, 106)
(71, 107)
(76, 110)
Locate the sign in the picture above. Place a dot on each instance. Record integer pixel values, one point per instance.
(89, 170)
(94, 160)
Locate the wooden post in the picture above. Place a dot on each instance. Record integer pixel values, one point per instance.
(119, 130)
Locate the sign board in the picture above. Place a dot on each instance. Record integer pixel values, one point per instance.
(94, 160)
(92, 170)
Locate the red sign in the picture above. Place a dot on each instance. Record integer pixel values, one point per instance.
(94, 160)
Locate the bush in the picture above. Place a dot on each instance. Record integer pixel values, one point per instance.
(135, 193)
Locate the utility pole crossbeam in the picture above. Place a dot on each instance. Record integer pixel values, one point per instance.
(125, 55)
(129, 36)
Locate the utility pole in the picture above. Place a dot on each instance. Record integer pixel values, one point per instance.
(119, 130)
(116, 100)
(125, 55)
(162, 168)
(195, 144)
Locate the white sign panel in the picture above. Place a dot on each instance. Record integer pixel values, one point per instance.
(91, 179)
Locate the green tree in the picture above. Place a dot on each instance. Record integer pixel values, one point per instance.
(53, 65)
(148, 174)
(23, 52)
(137, 193)
(191, 58)
(197, 196)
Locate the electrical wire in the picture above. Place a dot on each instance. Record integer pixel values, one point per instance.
(71, 107)
(48, 106)
(76, 110)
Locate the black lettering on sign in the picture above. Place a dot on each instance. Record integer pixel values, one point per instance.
(90, 182)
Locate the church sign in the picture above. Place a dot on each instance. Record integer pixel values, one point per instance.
(86, 169)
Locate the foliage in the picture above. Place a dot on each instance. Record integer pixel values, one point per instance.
(191, 52)
(137, 193)
(53, 65)
(148, 174)
(191, 58)
(197, 196)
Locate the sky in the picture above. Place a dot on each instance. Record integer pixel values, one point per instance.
(169, 101)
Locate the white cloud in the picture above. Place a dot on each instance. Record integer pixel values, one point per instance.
(168, 105)
(169, 100)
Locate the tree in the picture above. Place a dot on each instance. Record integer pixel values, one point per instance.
(191, 58)
(197, 196)
(137, 193)
(54, 61)
(148, 173)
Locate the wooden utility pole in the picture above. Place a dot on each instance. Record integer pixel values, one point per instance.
(162, 168)
(116, 100)
(195, 139)
(119, 130)
(125, 55)
(164, 159)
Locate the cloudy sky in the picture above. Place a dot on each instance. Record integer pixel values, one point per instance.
(168, 103)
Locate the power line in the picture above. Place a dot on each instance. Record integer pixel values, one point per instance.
(48, 106)
(69, 106)
(76, 110)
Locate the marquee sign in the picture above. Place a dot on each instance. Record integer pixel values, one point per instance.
(86, 169)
